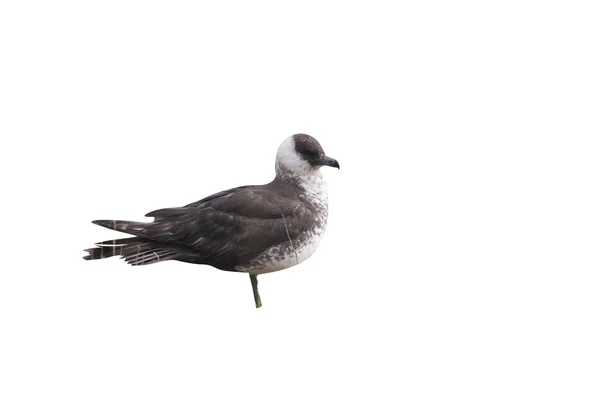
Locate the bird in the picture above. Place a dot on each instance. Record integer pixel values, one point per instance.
(253, 229)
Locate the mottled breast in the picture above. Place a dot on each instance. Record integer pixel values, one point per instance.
(295, 250)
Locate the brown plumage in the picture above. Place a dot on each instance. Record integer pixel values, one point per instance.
(248, 229)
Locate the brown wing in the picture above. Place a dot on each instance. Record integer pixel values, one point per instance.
(231, 227)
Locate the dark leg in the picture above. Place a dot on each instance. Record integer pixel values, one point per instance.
(254, 281)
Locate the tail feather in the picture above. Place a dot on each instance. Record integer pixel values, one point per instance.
(135, 251)
(118, 242)
(97, 253)
(139, 250)
(131, 227)
(147, 255)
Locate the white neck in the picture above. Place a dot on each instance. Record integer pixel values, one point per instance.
(290, 167)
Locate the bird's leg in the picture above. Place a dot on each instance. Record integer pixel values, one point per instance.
(254, 281)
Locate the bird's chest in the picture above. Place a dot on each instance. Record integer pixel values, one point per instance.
(315, 196)
(302, 246)
(288, 254)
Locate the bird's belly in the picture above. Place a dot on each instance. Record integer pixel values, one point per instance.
(285, 255)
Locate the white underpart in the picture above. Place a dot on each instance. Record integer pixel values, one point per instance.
(291, 164)
(300, 250)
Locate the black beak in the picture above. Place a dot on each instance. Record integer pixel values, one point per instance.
(327, 161)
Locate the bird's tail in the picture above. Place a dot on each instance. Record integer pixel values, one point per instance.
(136, 251)
(110, 248)
(131, 227)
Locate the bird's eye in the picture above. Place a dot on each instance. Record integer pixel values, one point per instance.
(310, 154)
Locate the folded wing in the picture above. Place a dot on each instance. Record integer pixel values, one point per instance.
(232, 227)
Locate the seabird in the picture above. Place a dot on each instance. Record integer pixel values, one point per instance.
(253, 229)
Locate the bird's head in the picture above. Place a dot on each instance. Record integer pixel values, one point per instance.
(301, 154)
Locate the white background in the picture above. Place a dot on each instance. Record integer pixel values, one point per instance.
(462, 254)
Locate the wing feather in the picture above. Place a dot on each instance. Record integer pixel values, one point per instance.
(233, 226)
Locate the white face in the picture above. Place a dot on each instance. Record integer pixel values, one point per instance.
(289, 159)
